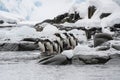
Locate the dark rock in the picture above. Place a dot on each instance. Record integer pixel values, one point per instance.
(1, 21)
(91, 11)
(117, 47)
(77, 61)
(115, 56)
(103, 15)
(54, 60)
(9, 47)
(115, 59)
(38, 27)
(27, 46)
(21, 46)
(31, 39)
(104, 35)
(117, 25)
(101, 38)
(59, 18)
(91, 59)
(99, 41)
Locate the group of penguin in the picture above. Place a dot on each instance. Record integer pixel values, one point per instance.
(57, 46)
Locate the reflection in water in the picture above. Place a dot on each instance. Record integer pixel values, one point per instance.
(28, 69)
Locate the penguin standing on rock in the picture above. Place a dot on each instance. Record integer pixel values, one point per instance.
(46, 47)
(41, 46)
(59, 39)
(67, 41)
(73, 41)
(57, 47)
(49, 46)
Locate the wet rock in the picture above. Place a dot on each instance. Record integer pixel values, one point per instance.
(77, 61)
(103, 15)
(115, 56)
(91, 11)
(90, 59)
(117, 47)
(101, 38)
(27, 46)
(18, 46)
(54, 60)
(1, 21)
(9, 47)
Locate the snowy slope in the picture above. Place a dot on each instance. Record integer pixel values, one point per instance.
(36, 9)
(102, 6)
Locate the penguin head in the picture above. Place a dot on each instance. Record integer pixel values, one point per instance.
(66, 35)
(71, 34)
(47, 40)
(58, 35)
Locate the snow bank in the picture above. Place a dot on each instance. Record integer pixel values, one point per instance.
(9, 17)
(102, 6)
(18, 33)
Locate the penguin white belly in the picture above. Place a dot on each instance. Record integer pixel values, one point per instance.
(56, 47)
(41, 46)
(60, 42)
(49, 47)
(73, 42)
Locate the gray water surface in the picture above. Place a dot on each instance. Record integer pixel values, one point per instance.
(24, 66)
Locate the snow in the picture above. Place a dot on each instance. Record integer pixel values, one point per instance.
(68, 53)
(10, 17)
(18, 33)
(106, 6)
(27, 23)
(38, 10)
(22, 66)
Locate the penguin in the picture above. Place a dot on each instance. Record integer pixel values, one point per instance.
(46, 47)
(73, 41)
(41, 45)
(59, 39)
(49, 45)
(67, 41)
(57, 47)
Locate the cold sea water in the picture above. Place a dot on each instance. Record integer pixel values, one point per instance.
(25, 66)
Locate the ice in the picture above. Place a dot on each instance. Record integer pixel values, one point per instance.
(32, 70)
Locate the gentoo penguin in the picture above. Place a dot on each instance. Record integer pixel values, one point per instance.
(57, 47)
(41, 45)
(46, 47)
(73, 40)
(49, 45)
(59, 39)
(67, 41)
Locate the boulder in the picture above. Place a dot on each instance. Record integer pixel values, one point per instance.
(103, 15)
(18, 46)
(58, 59)
(77, 61)
(90, 59)
(9, 47)
(1, 21)
(91, 11)
(117, 47)
(115, 59)
(27, 46)
(101, 38)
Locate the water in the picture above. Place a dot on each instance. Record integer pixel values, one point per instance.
(24, 66)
